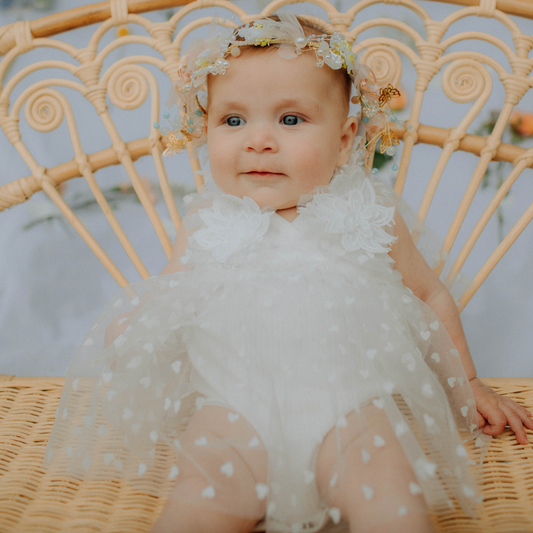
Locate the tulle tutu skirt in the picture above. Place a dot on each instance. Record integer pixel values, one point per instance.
(285, 363)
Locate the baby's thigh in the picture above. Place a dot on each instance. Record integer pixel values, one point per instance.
(362, 470)
(221, 461)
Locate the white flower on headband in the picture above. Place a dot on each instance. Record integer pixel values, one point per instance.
(288, 32)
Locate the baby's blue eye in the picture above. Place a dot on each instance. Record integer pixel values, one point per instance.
(235, 121)
(291, 120)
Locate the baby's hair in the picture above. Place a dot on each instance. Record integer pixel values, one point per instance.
(310, 28)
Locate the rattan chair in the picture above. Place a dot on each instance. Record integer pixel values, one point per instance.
(31, 500)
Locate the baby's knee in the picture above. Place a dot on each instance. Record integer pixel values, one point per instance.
(217, 496)
(182, 516)
(386, 520)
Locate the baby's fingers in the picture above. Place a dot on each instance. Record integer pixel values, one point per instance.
(517, 417)
(525, 418)
(496, 420)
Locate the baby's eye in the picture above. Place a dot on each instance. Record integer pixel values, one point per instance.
(235, 121)
(291, 120)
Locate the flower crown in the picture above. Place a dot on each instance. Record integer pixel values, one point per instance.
(208, 56)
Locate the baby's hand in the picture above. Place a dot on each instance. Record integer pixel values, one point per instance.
(496, 411)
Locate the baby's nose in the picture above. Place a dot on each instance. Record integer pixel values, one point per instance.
(261, 139)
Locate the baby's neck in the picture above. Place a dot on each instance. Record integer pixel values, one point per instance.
(288, 214)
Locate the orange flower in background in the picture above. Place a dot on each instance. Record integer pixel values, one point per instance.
(522, 123)
(399, 103)
(123, 31)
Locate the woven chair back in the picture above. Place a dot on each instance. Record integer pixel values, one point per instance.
(408, 49)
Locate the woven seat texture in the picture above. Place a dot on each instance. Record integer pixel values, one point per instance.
(32, 501)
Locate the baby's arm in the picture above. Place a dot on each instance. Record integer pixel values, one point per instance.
(115, 328)
(494, 411)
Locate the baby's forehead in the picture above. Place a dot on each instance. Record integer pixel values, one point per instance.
(253, 65)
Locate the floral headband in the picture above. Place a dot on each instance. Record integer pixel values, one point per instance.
(208, 56)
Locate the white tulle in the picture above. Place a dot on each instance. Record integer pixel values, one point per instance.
(275, 335)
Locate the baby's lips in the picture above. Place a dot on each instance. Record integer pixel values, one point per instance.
(263, 174)
(261, 171)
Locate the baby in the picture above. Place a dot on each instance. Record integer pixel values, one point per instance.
(332, 375)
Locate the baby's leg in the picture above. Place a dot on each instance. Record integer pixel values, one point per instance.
(375, 494)
(222, 444)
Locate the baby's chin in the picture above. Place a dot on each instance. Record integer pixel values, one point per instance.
(267, 199)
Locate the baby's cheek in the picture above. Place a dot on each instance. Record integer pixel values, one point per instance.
(219, 158)
(317, 170)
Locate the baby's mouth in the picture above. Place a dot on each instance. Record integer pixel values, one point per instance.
(263, 173)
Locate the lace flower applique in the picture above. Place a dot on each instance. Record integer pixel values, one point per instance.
(232, 224)
(357, 217)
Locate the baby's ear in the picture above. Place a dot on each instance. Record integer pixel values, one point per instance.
(348, 131)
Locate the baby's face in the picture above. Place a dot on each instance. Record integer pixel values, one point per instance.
(276, 128)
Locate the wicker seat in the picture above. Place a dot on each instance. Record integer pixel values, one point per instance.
(32, 500)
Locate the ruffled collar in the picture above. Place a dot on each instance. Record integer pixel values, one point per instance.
(349, 208)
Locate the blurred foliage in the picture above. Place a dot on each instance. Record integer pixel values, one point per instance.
(85, 202)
